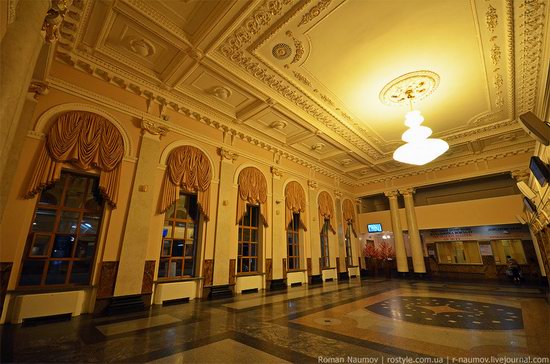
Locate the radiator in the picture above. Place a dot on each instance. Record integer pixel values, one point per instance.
(47, 304)
(175, 290)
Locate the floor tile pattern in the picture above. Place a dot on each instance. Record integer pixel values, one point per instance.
(454, 313)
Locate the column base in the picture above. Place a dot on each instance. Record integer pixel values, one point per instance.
(343, 276)
(277, 285)
(316, 279)
(219, 292)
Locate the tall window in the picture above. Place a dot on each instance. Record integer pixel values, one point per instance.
(349, 257)
(325, 261)
(293, 242)
(61, 245)
(249, 234)
(179, 238)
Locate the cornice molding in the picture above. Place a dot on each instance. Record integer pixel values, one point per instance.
(523, 148)
(119, 106)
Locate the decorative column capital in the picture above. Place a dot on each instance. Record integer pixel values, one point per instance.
(312, 184)
(54, 18)
(391, 194)
(407, 192)
(520, 175)
(227, 154)
(276, 172)
(338, 193)
(38, 88)
(153, 128)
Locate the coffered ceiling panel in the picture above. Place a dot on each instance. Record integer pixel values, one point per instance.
(275, 124)
(205, 82)
(138, 45)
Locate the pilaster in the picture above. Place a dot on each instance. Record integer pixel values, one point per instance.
(133, 253)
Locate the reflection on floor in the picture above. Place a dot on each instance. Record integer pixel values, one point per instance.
(359, 319)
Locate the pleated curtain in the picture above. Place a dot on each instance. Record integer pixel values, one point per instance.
(295, 201)
(252, 190)
(87, 141)
(187, 168)
(349, 215)
(326, 211)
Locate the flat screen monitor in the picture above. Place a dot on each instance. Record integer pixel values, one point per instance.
(540, 170)
(530, 205)
(374, 228)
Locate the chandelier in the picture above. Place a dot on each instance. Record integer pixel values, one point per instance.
(419, 148)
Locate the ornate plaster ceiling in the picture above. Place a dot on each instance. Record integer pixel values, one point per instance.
(303, 78)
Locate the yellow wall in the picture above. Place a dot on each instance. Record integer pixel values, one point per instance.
(488, 211)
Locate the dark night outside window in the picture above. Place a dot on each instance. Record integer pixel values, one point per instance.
(293, 242)
(247, 260)
(61, 245)
(179, 238)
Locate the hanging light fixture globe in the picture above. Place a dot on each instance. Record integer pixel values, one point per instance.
(419, 148)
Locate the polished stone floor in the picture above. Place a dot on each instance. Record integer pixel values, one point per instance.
(357, 322)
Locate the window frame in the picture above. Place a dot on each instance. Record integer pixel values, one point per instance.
(252, 211)
(173, 220)
(452, 244)
(293, 230)
(59, 209)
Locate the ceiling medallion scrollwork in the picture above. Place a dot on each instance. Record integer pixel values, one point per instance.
(314, 11)
(420, 83)
(281, 51)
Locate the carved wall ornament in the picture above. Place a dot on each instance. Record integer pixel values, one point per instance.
(345, 162)
(314, 12)
(11, 11)
(281, 51)
(153, 128)
(54, 18)
(521, 175)
(141, 47)
(220, 92)
(338, 193)
(299, 48)
(318, 146)
(302, 78)
(495, 54)
(491, 18)
(39, 88)
(228, 154)
(276, 172)
(420, 83)
(312, 184)
(279, 124)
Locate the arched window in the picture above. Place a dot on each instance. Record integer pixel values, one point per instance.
(326, 220)
(295, 201)
(62, 241)
(184, 199)
(251, 206)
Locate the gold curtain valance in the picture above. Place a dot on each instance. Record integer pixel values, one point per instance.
(188, 168)
(252, 190)
(326, 210)
(87, 141)
(349, 215)
(295, 201)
